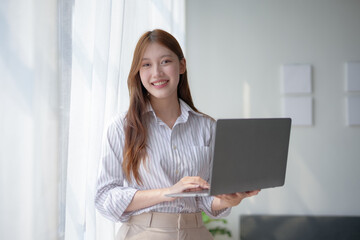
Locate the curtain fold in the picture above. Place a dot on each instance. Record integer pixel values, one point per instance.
(29, 119)
(64, 67)
(104, 35)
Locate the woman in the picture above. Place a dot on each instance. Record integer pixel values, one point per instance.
(162, 145)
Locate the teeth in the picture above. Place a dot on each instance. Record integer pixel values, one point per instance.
(159, 83)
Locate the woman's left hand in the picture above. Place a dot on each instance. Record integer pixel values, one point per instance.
(233, 199)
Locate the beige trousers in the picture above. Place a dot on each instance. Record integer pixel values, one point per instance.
(164, 226)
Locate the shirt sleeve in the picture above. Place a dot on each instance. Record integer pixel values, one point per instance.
(205, 203)
(112, 197)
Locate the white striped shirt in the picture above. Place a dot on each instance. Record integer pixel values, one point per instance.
(184, 150)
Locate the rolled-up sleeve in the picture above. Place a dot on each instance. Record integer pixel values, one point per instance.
(205, 205)
(112, 197)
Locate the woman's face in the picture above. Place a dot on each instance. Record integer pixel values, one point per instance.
(160, 71)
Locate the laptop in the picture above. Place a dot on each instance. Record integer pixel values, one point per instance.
(249, 154)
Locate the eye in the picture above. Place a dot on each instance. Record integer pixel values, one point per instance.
(145, 65)
(165, 61)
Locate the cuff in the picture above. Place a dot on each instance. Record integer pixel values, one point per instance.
(205, 205)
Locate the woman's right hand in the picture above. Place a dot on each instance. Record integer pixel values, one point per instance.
(187, 184)
(147, 198)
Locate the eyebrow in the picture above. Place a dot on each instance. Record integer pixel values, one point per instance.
(166, 55)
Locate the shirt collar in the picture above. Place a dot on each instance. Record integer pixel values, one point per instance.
(185, 109)
(149, 109)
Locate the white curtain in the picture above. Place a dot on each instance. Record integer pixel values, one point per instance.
(104, 35)
(29, 119)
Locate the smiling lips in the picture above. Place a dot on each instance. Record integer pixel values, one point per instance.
(160, 83)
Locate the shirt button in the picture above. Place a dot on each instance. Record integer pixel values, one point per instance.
(174, 147)
(177, 171)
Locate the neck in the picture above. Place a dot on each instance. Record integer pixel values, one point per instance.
(167, 110)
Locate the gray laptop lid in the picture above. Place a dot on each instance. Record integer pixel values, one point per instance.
(249, 154)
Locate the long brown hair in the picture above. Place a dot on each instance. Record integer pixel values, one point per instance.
(135, 124)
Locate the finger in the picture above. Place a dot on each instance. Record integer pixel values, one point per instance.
(253, 193)
(196, 180)
(193, 179)
(193, 189)
(228, 197)
(241, 194)
(249, 193)
(196, 185)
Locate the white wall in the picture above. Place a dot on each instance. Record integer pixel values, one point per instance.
(234, 53)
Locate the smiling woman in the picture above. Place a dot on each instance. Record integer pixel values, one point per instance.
(148, 151)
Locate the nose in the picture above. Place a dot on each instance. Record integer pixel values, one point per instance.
(157, 71)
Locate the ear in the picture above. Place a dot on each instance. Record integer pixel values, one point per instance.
(182, 66)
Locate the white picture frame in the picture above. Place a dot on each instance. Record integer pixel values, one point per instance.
(299, 109)
(353, 110)
(352, 72)
(296, 78)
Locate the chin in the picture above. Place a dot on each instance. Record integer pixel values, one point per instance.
(163, 96)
